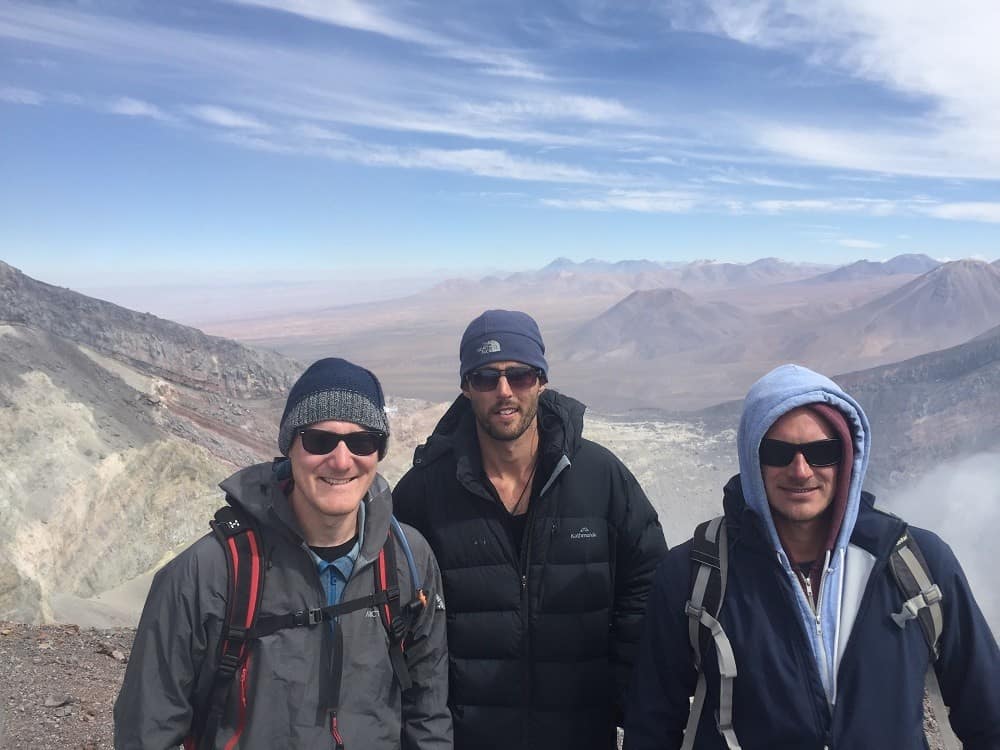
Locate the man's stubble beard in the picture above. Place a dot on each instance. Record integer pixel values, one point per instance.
(528, 417)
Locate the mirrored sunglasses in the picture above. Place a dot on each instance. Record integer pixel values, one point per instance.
(487, 378)
(321, 442)
(818, 453)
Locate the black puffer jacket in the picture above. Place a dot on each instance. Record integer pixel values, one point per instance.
(541, 644)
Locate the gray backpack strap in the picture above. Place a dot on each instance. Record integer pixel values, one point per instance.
(922, 602)
(709, 567)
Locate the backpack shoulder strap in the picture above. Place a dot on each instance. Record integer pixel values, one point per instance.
(709, 568)
(922, 602)
(241, 543)
(921, 596)
(397, 618)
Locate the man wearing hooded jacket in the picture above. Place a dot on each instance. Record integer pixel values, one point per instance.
(808, 602)
(323, 515)
(547, 547)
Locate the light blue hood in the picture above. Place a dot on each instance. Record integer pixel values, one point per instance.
(781, 390)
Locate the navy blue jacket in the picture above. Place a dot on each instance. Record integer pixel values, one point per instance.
(779, 700)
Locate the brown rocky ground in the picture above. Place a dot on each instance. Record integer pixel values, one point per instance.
(58, 684)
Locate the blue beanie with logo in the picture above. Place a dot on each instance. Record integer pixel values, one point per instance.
(502, 336)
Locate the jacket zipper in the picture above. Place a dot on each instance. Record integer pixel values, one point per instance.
(355, 573)
(525, 563)
(816, 606)
(805, 651)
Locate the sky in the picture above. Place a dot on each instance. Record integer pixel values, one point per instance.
(258, 141)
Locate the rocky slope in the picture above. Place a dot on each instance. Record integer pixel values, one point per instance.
(116, 426)
(177, 353)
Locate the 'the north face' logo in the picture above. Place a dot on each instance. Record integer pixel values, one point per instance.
(583, 533)
(489, 347)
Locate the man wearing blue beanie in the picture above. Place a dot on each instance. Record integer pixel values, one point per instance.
(547, 547)
(318, 622)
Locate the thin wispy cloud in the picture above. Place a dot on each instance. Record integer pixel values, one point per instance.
(482, 162)
(352, 15)
(554, 107)
(977, 211)
(365, 17)
(15, 95)
(227, 118)
(860, 244)
(663, 202)
(130, 107)
(736, 177)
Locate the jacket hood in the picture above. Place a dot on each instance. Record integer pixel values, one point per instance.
(259, 491)
(777, 393)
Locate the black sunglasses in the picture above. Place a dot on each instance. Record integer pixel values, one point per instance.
(818, 453)
(518, 378)
(321, 442)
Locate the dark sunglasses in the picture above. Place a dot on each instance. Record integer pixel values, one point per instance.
(321, 442)
(818, 453)
(487, 379)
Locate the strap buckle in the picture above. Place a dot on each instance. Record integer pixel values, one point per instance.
(692, 611)
(911, 607)
(307, 617)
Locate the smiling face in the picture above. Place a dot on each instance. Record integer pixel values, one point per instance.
(329, 488)
(799, 494)
(504, 413)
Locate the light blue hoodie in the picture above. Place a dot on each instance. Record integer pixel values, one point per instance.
(781, 390)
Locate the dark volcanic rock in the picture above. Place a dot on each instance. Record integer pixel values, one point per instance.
(174, 352)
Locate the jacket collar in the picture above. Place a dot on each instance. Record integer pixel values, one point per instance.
(257, 491)
(560, 426)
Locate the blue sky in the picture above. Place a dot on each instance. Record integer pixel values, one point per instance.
(196, 141)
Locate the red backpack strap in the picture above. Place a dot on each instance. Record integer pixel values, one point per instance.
(387, 580)
(241, 543)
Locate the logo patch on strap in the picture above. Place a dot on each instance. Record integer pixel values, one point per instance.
(489, 347)
(438, 603)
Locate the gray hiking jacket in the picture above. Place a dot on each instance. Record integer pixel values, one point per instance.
(284, 700)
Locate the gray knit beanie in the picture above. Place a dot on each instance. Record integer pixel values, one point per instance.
(334, 389)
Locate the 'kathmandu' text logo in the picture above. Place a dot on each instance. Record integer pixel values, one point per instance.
(583, 533)
(489, 347)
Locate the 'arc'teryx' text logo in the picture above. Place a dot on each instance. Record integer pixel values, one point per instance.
(583, 533)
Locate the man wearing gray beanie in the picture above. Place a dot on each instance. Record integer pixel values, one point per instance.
(318, 622)
(547, 546)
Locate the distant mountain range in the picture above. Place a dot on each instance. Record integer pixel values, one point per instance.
(656, 323)
(941, 308)
(946, 305)
(863, 269)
